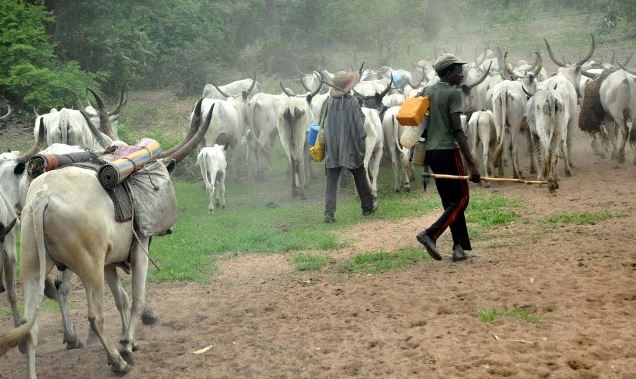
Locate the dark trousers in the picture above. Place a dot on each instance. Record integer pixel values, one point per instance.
(362, 186)
(454, 195)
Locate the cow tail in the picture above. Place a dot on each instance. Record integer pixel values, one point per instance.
(64, 126)
(502, 136)
(14, 337)
(632, 133)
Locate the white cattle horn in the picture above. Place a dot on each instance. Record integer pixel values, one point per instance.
(551, 54)
(36, 147)
(8, 113)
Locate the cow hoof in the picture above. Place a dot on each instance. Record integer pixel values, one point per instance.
(74, 343)
(407, 189)
(149, 318)
(223, 206)
(122, 368)
(568, 173)
(303, 197)
(2, 289)
(127, 356)
(22, 347)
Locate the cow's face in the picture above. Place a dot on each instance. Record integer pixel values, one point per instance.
(10, 174)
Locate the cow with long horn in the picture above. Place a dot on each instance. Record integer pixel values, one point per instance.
(211, 91)
(231, 119)
(69, 220)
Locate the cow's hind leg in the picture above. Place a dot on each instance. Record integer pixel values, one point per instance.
(119, 295)
(93, 281)
(139, 265)
(8, 266)
(62, 287)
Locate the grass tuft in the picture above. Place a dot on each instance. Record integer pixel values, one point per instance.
(375, 263)
(583, 218)
(493, 315)
(309, 262)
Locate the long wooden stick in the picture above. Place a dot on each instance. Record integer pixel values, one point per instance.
(485, 179)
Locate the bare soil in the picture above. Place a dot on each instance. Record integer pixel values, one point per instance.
(263, 319)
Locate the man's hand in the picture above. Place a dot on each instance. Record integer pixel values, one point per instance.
(474, 174)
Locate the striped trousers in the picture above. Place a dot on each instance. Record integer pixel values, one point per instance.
(454, 195)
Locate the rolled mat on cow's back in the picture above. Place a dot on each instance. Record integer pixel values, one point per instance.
(41, 163)
(127, 160)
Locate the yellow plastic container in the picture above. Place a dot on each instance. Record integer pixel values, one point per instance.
(412, 111)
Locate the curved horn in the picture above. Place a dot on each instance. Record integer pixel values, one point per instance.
(361, 70)
(314, 93)
(628, 59)
(286, 91)
(123, 99)
(509, 68)
(194, 141)
(388, 88)
(99, 137)
(35, 110)
(626, 69)
(8, 113)
(104, 121)
(526, 91)
(538, 65)
(36, 147)
(551, 54)
(194, 125)
(613, 59)
(221, 91)
(249, 90)
(302, 82)
(481, 79)
(590, 53)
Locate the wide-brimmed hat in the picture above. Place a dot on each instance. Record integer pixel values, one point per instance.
(343, 82)
(446, 60)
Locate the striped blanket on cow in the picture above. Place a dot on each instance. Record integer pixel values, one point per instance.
(125, 160)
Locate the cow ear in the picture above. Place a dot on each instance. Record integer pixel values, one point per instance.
(19, 168)
(171, 165)
(309, 98)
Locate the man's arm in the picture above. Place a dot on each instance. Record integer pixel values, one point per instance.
(462, 141)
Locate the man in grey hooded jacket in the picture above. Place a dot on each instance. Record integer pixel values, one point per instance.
(344, 138)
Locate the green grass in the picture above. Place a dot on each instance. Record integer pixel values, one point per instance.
(375, 263)
(493, 315)
(46, 306)
(583, 218)
(489, 210)
(309, 262)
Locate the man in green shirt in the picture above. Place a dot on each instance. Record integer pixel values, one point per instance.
(444, 140)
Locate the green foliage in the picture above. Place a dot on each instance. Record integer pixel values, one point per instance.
(309, 262)
(375, 263)
(30, 73)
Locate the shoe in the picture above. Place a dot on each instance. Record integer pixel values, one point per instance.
(329, 219)
(375, 207)
(459, 254)
(429, 244)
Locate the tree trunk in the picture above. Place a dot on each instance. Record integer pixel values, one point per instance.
(272, 17)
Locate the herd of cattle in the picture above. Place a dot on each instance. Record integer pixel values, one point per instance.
(67, 219)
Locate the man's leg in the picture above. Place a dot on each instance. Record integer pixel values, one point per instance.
(454, 195)
(331, 192)
(363, 188)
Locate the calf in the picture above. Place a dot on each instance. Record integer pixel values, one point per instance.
(212, 161)
(482, 132)
(548, 117)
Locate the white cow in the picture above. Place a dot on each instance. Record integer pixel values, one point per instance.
(509, 104)
(8, 220)
(483, 135)
(68, 220)
(618, 98)
(211, 160)
(374, 144)
(263, 111)
(68, 126)
(294, 116)
(548, 122)
(235, 88)
(399, 155)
